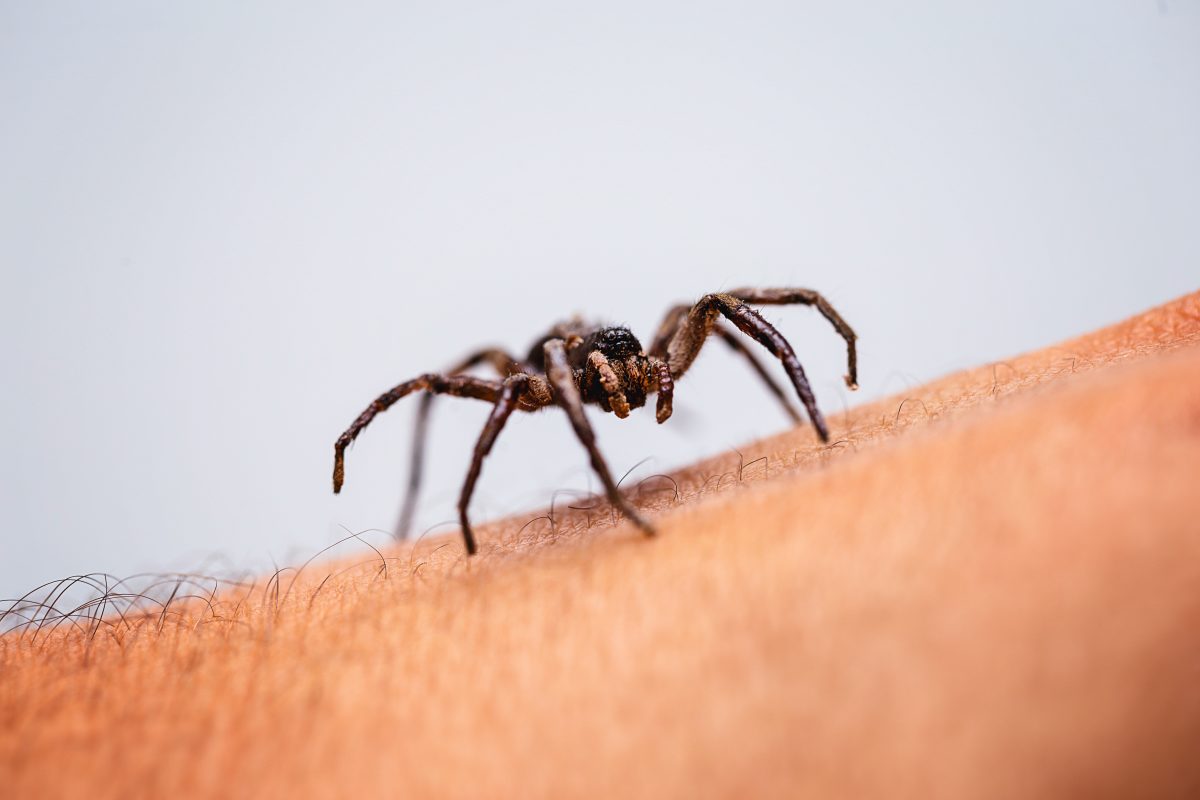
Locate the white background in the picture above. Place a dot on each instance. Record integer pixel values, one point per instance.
(225, 227)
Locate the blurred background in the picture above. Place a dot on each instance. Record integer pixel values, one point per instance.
(226, 227)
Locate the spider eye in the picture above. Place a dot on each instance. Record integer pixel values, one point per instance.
(617, 343)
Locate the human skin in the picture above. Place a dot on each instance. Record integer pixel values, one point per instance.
(985, 587)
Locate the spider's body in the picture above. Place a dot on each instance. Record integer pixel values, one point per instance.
(576, 364)
(589, 350)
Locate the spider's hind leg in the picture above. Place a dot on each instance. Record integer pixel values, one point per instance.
(504, 365)
(456, 385)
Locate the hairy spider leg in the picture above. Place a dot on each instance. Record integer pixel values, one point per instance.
(562, 381)
(730, 338)
(416, 467)
(808, 297)
(497, 359)
(670, 325)
(456, 385)
(510, 395)
(690, 337)
(667, 329)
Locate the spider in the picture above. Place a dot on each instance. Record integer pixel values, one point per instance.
(576, 364)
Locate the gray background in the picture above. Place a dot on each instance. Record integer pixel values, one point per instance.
(227, 226)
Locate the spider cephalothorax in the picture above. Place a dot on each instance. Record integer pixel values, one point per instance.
(612, 371)
(576, 364)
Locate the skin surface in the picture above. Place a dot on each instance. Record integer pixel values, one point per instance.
(985, 587)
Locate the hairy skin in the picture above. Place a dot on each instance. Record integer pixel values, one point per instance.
(985, 587)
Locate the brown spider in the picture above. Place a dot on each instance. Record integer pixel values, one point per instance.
(576, 363)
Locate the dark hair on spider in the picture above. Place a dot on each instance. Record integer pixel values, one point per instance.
(577, 364)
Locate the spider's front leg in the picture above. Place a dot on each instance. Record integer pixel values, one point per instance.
(808, 297)
(562, 381)
(735, 344)
(692, 329)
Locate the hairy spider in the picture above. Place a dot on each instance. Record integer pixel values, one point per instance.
(576, 364)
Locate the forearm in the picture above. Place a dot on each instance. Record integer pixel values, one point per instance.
(983, 588)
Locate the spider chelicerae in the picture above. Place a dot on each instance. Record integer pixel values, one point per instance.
(577, 364)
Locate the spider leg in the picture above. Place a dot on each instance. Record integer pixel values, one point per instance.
(667, 328)
(497, 359)
(416, 467)
(808, 297)
(456, 385)
(731, 339)
(562, 380)
(510, 395)
(689, 338)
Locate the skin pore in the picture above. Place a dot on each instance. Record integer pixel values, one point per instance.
(988, 586)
